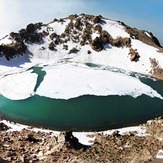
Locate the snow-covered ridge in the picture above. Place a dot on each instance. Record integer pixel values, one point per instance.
(77, 39)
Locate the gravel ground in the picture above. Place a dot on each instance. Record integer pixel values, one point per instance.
(29, 146)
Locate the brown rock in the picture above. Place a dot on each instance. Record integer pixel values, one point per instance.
(3, 161)
(134, 56)
(105, 37)
(3, 127)
(97, 44)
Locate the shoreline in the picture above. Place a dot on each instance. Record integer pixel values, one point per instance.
(80, 145)
(87, 74)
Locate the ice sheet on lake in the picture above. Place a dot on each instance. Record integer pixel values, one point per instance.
(67, 81)
(18, 86)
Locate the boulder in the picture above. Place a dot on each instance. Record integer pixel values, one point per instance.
(31, 138)
(3, 127)
(72, 141)
(97, 19)
(52, 46)
(134, 56)
(73, 50)
(97, 44)
(89, 52)
(11, 50)
(3, 161)
(32, 27)
(61, 138)
(98, 28)
(53, 35)
(105, 37)
(16, 36)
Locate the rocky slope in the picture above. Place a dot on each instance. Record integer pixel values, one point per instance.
(80, 37)
(28, 145)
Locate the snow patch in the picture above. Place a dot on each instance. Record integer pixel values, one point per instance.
(87, 138)
(160, 154)
(15, 65)
(147, 34)
(115, 29)
(58, 27)
(94, 35)
(6, 40)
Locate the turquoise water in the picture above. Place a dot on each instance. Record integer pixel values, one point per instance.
(82, 113)
(41, 73)
(85, 113)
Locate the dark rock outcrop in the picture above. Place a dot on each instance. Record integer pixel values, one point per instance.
(73, 142)
(3, 127)
(121, 42)
(142, 36)
(97, 19)
(53, 35)
(78, 24)
(73, 50)
(52, 46)
(105, 37)
(97, 44)
(12, 50)
(98, 28)
(18, 46)
(28, 34)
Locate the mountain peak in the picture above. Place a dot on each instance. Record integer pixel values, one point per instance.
(80, 35)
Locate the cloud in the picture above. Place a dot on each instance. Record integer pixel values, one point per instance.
(9, 16)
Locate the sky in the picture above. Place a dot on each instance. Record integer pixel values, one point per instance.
(141, 14)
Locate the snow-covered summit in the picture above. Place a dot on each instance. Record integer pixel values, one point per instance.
(87, 39)
(66, 46)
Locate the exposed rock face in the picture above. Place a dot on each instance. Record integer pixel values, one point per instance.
(144, 36)
(53, 36)
(157, 71)
(97, 19)
(26, 146)
(52, 46)
(97, 44)
(105, 37)
(121, 42)
(155, 127)
(18, 47)
(13, 49)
